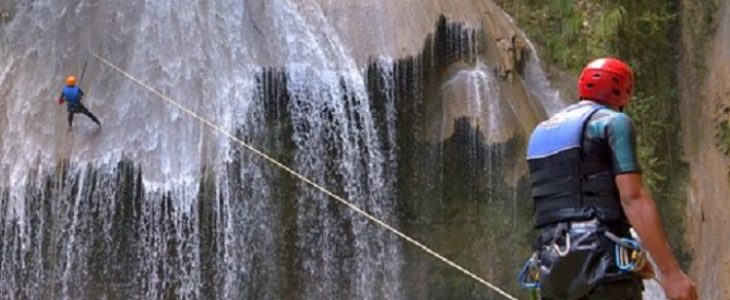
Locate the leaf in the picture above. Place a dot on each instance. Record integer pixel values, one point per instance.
(571, 27)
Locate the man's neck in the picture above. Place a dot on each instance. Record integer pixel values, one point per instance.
(613, 107)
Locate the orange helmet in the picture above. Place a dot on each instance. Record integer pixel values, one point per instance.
(71, 80)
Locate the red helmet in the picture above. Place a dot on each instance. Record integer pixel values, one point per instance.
(608, 81)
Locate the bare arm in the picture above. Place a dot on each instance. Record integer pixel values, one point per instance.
(642, 212)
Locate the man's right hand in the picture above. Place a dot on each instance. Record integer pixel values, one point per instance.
(641, 210)
(677, 286)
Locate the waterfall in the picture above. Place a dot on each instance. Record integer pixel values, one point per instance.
(156, 205)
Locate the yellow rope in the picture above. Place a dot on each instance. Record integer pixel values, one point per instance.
(307, 180)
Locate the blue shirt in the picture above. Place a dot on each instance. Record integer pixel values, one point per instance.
(609, 132)
(72, 94)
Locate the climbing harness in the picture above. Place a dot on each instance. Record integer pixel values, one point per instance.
(322, 189)
(570, 259)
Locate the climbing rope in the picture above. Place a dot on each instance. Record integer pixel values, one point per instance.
(305, 179)
(83, 72)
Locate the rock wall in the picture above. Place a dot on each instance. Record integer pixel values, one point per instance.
(705, 105)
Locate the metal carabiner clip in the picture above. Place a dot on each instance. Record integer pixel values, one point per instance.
(566, 250)
(529, 277)
(629, 253)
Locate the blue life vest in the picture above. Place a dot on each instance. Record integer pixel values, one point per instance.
(72, 94)
(566, 184)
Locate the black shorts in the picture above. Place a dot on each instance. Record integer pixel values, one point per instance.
(76, 108)
(586, 269)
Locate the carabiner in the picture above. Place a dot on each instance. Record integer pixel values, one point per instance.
(628, 252)
(529, 277)
(564, 252)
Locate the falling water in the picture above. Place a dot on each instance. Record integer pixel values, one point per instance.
(155, 205)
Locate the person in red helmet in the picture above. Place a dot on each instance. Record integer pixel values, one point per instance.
(588, 192)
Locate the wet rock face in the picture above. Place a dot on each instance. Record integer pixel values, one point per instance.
(157, 206)
(718, 89)
(706, 132)
(512, 54)
(8, 9)
(4, 16)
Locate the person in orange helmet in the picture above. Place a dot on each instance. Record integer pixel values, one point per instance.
(72, 95)
(588, 192)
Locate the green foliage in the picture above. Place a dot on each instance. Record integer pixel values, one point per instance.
(647, 153)
(572, 33)
(723, 137)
